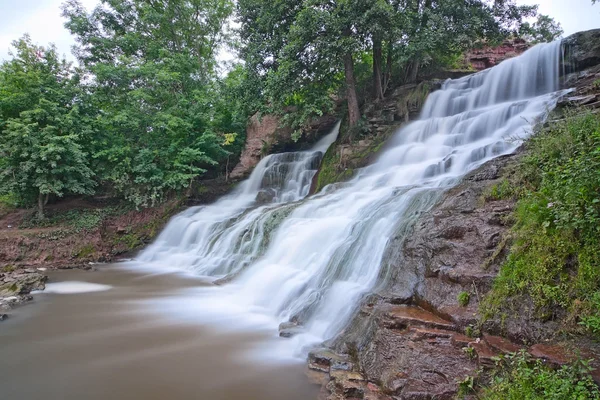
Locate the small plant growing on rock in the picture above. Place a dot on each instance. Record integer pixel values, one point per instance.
(470, 352)
(466, 386)
(8, 268)
(472, 331)
(464, 298)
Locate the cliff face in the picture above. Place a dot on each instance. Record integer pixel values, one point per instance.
(487, 57)
(265, 135)
(421, 335)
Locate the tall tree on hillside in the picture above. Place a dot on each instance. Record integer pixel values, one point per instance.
(545, 29)
(154, 82)
(305, 50)
(41, 129)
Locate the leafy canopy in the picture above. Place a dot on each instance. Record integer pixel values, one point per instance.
(41, 152)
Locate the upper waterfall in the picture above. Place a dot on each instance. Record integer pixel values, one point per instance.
(310, 260)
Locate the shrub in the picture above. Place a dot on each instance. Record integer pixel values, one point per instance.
(555, 257)
(464, 298)
(520, 378)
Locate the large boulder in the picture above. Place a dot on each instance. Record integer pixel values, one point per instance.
(582, 50)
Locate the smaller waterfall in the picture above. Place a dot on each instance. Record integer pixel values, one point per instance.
(222, 238)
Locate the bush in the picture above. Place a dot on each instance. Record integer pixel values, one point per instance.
(591, 321)
(555, 257)
(520, 378)
(463, 299)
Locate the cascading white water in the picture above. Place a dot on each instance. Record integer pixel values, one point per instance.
(311, 260)
(223, 237)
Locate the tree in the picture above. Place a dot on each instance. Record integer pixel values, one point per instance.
(154, 87)
(545, 29)
(306, 50)
(41, 132)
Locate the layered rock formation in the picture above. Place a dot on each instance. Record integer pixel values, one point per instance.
(487, 57)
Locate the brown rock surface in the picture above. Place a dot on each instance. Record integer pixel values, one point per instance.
(487, 57)
(265, 135)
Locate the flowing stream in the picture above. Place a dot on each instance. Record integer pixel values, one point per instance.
(197, 314)
(309, 260)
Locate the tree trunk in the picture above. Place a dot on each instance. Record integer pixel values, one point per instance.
(412, 71)
(377, 81)
(352, 98)
(387, 77)
(227, 170)
(42, 201)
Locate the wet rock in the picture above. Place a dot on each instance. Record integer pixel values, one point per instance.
(265, 135)
(487, 57)
(582, 50)
(501, 344)
(408, 337)
(289, 329)
(317, 377)
(400, 317)
(325, 360)
(351, 385)
(553, 354)
(22, 283)
(485, 354)
(266, 196)
(3, 317)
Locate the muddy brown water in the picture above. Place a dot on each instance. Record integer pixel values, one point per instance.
(100, 346)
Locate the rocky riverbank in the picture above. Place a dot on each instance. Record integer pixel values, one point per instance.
(16, 286)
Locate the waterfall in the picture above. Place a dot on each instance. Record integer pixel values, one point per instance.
(310, 259)
(220, 239)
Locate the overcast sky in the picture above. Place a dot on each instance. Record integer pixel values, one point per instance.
(42, 20)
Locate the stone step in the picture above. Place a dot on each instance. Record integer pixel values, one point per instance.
(553, 354)
(501, 345)
(485, 354)
(402, 317)
(325, 360)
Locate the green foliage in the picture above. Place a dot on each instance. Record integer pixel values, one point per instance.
(307, 54)
(76, 220)
(160, 112)
(555, 258)
(466, 386)
(501, 191)
(9, 200)
(545, 29)
(520, 378)
(472, 331)
(8, 268)
(470, 352)
(464, 298)
(85, 251)
(591, 321)
(41, 152)
(149, 111)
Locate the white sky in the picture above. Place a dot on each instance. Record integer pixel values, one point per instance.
(42, 20)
